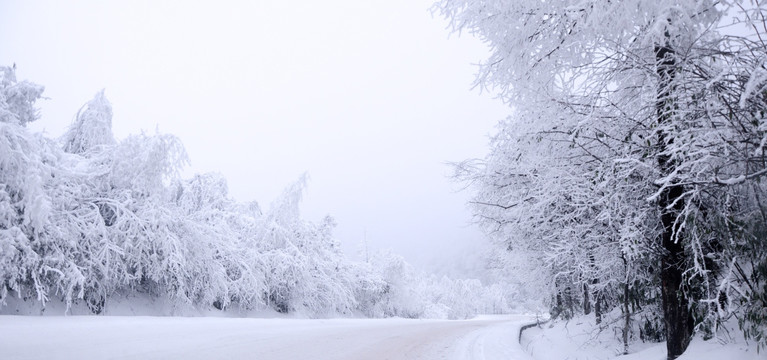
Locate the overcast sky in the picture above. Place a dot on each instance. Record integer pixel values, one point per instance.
(371, 98)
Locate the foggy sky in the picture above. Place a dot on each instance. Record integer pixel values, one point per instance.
(371, 98)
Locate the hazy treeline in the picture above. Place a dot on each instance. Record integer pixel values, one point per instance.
(88, 218)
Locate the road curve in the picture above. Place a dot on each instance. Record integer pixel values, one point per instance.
(138, 337)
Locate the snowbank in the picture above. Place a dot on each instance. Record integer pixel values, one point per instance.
(580, 339)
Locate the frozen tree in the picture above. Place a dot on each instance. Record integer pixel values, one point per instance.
(25, 206)
(92, 127)
(91, 219)
(392, 287)
(305, 268)
(643, 117)
(17, 98)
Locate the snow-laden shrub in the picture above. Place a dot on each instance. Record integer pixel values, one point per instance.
(92, 127)
(403, 295)
(306, 270)
(392, 287)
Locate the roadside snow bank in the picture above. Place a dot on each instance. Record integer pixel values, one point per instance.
(580, 339)
(703, 350)
(497, 341)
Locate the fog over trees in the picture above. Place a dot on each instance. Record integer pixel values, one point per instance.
(88, 219)
(631, 173)
(627, 184)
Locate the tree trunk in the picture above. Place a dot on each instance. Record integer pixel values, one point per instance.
(627, 318)
(586, 300)
(598, 306)
(676, 313)
(626, 310)
(597, 294)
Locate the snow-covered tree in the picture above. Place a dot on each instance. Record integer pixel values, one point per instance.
(92, 127)
(17, 99)
(642, 122)
(305, 268)
(25, 206)
(90, 219)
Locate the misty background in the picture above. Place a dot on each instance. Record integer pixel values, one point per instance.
(371, 98)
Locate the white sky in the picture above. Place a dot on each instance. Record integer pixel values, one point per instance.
(370, 98)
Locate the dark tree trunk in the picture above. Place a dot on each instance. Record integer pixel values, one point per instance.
(676, 312)
(626, 310)
(627, 319)
(586, 300)
(557, 311)
(597, 294)
(598, 306)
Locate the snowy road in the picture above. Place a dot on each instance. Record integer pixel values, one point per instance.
(135, 337)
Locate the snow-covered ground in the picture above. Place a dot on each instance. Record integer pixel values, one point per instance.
(577, 339)
(146, 337)
(199, 337)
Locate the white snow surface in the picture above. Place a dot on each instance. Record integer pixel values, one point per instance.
(146, 337)
(578, 339)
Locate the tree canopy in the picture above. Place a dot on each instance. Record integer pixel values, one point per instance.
(631, 169)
